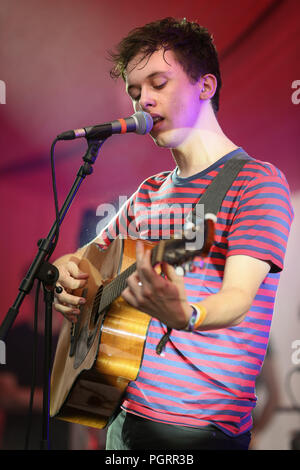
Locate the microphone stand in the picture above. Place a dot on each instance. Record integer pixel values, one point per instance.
(48, 275)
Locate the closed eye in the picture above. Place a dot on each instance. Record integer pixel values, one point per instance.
(156, 87)
(159, 87)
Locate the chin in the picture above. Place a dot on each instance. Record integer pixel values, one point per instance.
(170, 139)
(162, 143)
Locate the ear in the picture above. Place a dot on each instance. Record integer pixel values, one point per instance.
(208, 85)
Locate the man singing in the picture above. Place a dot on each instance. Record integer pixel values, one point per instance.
(198, 394)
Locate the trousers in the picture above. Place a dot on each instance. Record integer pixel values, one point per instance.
(130, 432)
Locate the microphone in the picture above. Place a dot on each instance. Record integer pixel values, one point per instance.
(140, 122)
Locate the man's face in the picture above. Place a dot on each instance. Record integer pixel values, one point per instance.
(158, 85)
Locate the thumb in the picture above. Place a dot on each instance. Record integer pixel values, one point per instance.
(74, 269)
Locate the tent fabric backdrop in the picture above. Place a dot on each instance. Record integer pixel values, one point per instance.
(54, 64)
(53, 59)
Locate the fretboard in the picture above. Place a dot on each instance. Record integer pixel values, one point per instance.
(114, 289)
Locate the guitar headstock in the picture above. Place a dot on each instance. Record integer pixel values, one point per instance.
(195, 241)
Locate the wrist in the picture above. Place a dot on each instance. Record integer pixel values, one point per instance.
(198, 314)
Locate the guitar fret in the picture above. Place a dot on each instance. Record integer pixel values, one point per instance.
(114, 289)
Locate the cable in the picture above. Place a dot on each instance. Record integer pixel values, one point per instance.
(37, 295)
(54, 188)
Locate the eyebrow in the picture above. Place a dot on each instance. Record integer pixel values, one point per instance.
(151, 75)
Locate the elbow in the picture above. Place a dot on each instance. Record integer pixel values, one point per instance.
(237, 321)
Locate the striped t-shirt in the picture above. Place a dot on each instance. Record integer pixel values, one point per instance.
(208, 377)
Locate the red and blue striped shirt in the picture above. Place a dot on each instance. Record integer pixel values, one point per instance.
(208, 377)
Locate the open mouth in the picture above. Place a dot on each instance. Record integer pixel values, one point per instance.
(157, 120)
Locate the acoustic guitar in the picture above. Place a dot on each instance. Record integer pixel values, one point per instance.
(98, 356)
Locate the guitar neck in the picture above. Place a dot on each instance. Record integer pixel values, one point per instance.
(114, 289)
(172, 251)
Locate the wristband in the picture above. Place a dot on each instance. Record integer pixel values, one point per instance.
(197, 317)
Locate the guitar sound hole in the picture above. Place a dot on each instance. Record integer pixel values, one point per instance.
(95, 309)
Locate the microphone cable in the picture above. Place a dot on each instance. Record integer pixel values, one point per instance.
(36, 303)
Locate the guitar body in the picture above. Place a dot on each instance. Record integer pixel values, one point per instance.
(98, 356)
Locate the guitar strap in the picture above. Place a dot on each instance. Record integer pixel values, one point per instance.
(213, 196)
(212, 199)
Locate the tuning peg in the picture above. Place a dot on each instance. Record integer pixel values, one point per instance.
(189, 225)
(189, 230)
(180, 270)
(189, 266)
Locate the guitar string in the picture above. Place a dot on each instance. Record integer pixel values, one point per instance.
(114, 289)
(107, 294)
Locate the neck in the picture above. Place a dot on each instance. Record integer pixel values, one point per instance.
(205, 145)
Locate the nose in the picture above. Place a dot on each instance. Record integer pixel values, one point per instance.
(147, 99)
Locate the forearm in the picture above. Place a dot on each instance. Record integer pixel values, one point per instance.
(225, 309)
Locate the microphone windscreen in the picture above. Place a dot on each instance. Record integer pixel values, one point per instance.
(144, 122)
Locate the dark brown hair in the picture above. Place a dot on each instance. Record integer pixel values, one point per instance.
(191, 43)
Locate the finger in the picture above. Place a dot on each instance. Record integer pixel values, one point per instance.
(75, 271)
(129, 296)
(71, 313)
(66, 308)
(169, 271)
(139, 251)
(133, 280)
(136, 287)
(70, 317)
(145, 269)
(69, 283)
(74, 300)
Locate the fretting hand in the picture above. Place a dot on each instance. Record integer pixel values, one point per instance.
(162, 297)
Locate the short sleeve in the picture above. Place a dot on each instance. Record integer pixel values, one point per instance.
(261, 224)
